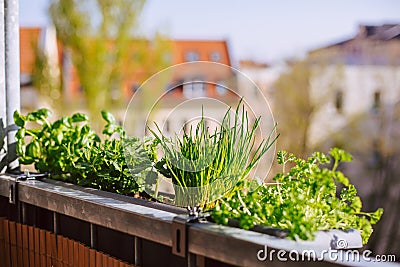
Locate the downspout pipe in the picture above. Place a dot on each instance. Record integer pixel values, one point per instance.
(12, 78)
(3, 110)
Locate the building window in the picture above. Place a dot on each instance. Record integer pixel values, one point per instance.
(25, 79)
(339, 101)
(255, 90)
(220, 88)
(115, 94)
(135, 87)
(194, 89)
(377, 100)
(206, 124)
(167, 126)
(170, 87)
(186, 126)
(167, 57)
(192, 56)
(215, 56)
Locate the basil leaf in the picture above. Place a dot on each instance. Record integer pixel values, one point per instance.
(79, 117)
(33, 149)
(108, 117)
(19, 119)
(20, 133)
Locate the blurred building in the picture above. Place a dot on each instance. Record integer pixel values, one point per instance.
(182, 84)
(372, 45)
(29, 38)
(360, 75)
(258, 80)
(181, 51)
(362, 115)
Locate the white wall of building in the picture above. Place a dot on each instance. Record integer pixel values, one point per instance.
(359, 85)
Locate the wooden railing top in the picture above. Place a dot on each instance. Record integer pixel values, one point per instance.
(137, 217)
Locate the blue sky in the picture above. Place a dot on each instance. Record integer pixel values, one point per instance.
(256, 29)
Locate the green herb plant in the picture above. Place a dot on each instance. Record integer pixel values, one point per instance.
(204, 166)
(303, 200)
(52, 147)
(68, 149)
(307, 198)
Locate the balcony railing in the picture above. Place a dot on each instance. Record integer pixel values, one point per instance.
(146, 233)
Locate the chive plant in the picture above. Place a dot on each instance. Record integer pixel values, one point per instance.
(204, 166)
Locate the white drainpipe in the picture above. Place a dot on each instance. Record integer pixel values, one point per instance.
(3, 118)
(12, 77)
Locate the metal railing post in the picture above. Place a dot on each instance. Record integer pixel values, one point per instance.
(3, 118)
(12, 77)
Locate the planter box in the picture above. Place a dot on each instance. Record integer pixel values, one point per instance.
(203, 244)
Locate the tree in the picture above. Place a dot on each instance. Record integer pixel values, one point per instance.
(99, 34)
(373, 138)
(293, 108)
(371, 133)
(46, 71)
(301, 95)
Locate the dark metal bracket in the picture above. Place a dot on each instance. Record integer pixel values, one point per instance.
(13, 184)
(31, 176)
(180, 226)
(12, 191)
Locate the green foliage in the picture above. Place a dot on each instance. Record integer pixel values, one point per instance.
(46, 78)
(102, 50)
(53, 147)
(70, 150)
(307, 198)
(303, 201)
(140, 156)
(105, 167)
(204, 166)
(293, 92)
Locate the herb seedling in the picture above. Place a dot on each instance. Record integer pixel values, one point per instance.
(203, 166)
(68, 149)
(303, 201)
